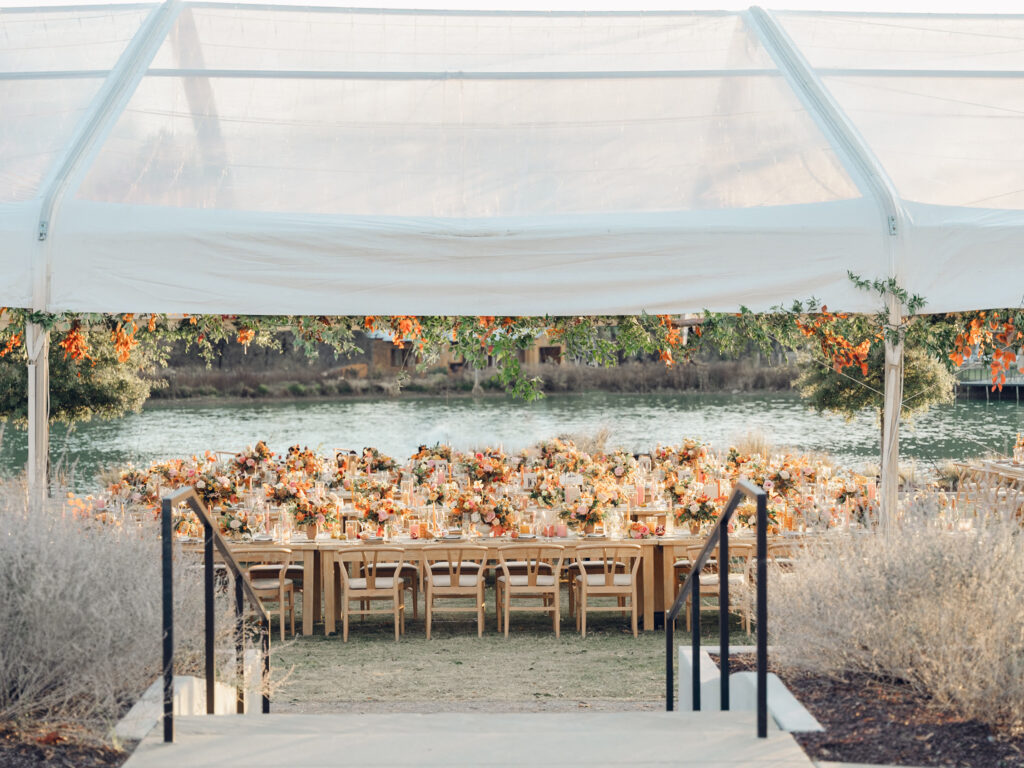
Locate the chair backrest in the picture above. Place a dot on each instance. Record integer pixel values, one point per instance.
(280, 557)
(786, 549)
(605, 559)
(740, 553)
(369, 559)
(454, 559)
(531, 560)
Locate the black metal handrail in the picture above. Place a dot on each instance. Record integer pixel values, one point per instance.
(243, 590)
(720, 538)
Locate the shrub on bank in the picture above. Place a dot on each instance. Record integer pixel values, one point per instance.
(80, 618)
(939, 610)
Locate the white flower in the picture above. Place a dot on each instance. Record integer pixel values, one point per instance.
(783, 474)
(695, 507)
(200, 483)
(475, 517)
(236, 523)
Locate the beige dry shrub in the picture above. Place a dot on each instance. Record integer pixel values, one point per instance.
(80, 615)
(942, 611)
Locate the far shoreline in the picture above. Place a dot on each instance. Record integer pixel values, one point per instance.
(159, 403)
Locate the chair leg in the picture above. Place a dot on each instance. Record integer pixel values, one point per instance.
(428, 607)
(582, 608)
(556, 612)
(632, 603)
(497, 603)
(480, 613)
(508, 600)
(344, 619)
(291, 610)
(398, 607)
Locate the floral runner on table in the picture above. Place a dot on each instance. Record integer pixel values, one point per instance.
(551, 488)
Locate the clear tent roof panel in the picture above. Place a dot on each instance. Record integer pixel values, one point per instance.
(55, 40)
(466, 148)
(336, 148)
(938, 99)
(52, 64)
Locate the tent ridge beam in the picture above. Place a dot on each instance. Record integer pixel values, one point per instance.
(301, 74)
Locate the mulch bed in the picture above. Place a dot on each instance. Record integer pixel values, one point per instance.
(59, 748)
(869, 721)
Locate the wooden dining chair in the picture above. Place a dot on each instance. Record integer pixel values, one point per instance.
(741, 555)
(269, 580)
(364, 574)
(454, 571)
(529, 571)
(599, 575)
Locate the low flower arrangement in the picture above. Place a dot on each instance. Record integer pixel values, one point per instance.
(365, 492)
(254, 460)
(216, 488)
(436, 452)
(639, 530)
(303, 460)
(373, 460)
(487, 467)
(382, 511)
(583, 512)
(678, 487)
(622, 466)
(286, 490)
(500, 513)
(699, 509)
(235, 522)
(305, 511)
(547, 492)
(471, 501)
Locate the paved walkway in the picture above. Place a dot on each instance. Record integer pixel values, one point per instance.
(707, 739)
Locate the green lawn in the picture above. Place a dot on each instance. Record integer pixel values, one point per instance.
(530, 670)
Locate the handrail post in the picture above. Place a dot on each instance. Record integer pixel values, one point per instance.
(723, 617)
(669, 679)
(239, 648)
(208, 599)
(762, 615)
(695, 638)
(266, 666)
(166, 536)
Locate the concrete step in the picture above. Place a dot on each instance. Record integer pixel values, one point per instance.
(707, 739)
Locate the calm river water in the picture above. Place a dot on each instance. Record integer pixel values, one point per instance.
(397, 426)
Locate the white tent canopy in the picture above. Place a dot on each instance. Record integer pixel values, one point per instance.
(207, 157)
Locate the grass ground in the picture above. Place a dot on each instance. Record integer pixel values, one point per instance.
(456, 670)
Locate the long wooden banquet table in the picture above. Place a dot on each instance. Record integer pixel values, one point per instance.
(657, 572)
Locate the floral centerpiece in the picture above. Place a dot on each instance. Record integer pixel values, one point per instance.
(622, 466)
(136, 486)
(499, 514)
(585, 512)
(254, 459)
(216, 488)
(373, 460)
(678, 487)
(234, 522)
(314, 515)
(470, 501)
(382, 511)
(547, 491)
(304, 460)
(287, 489)
(436, 452)
(639, 530)
(366, 491)
(488, 466)
(697, 511)
(782, 481)
(692, 452)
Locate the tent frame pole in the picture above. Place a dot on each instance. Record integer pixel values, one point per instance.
(37, 346)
